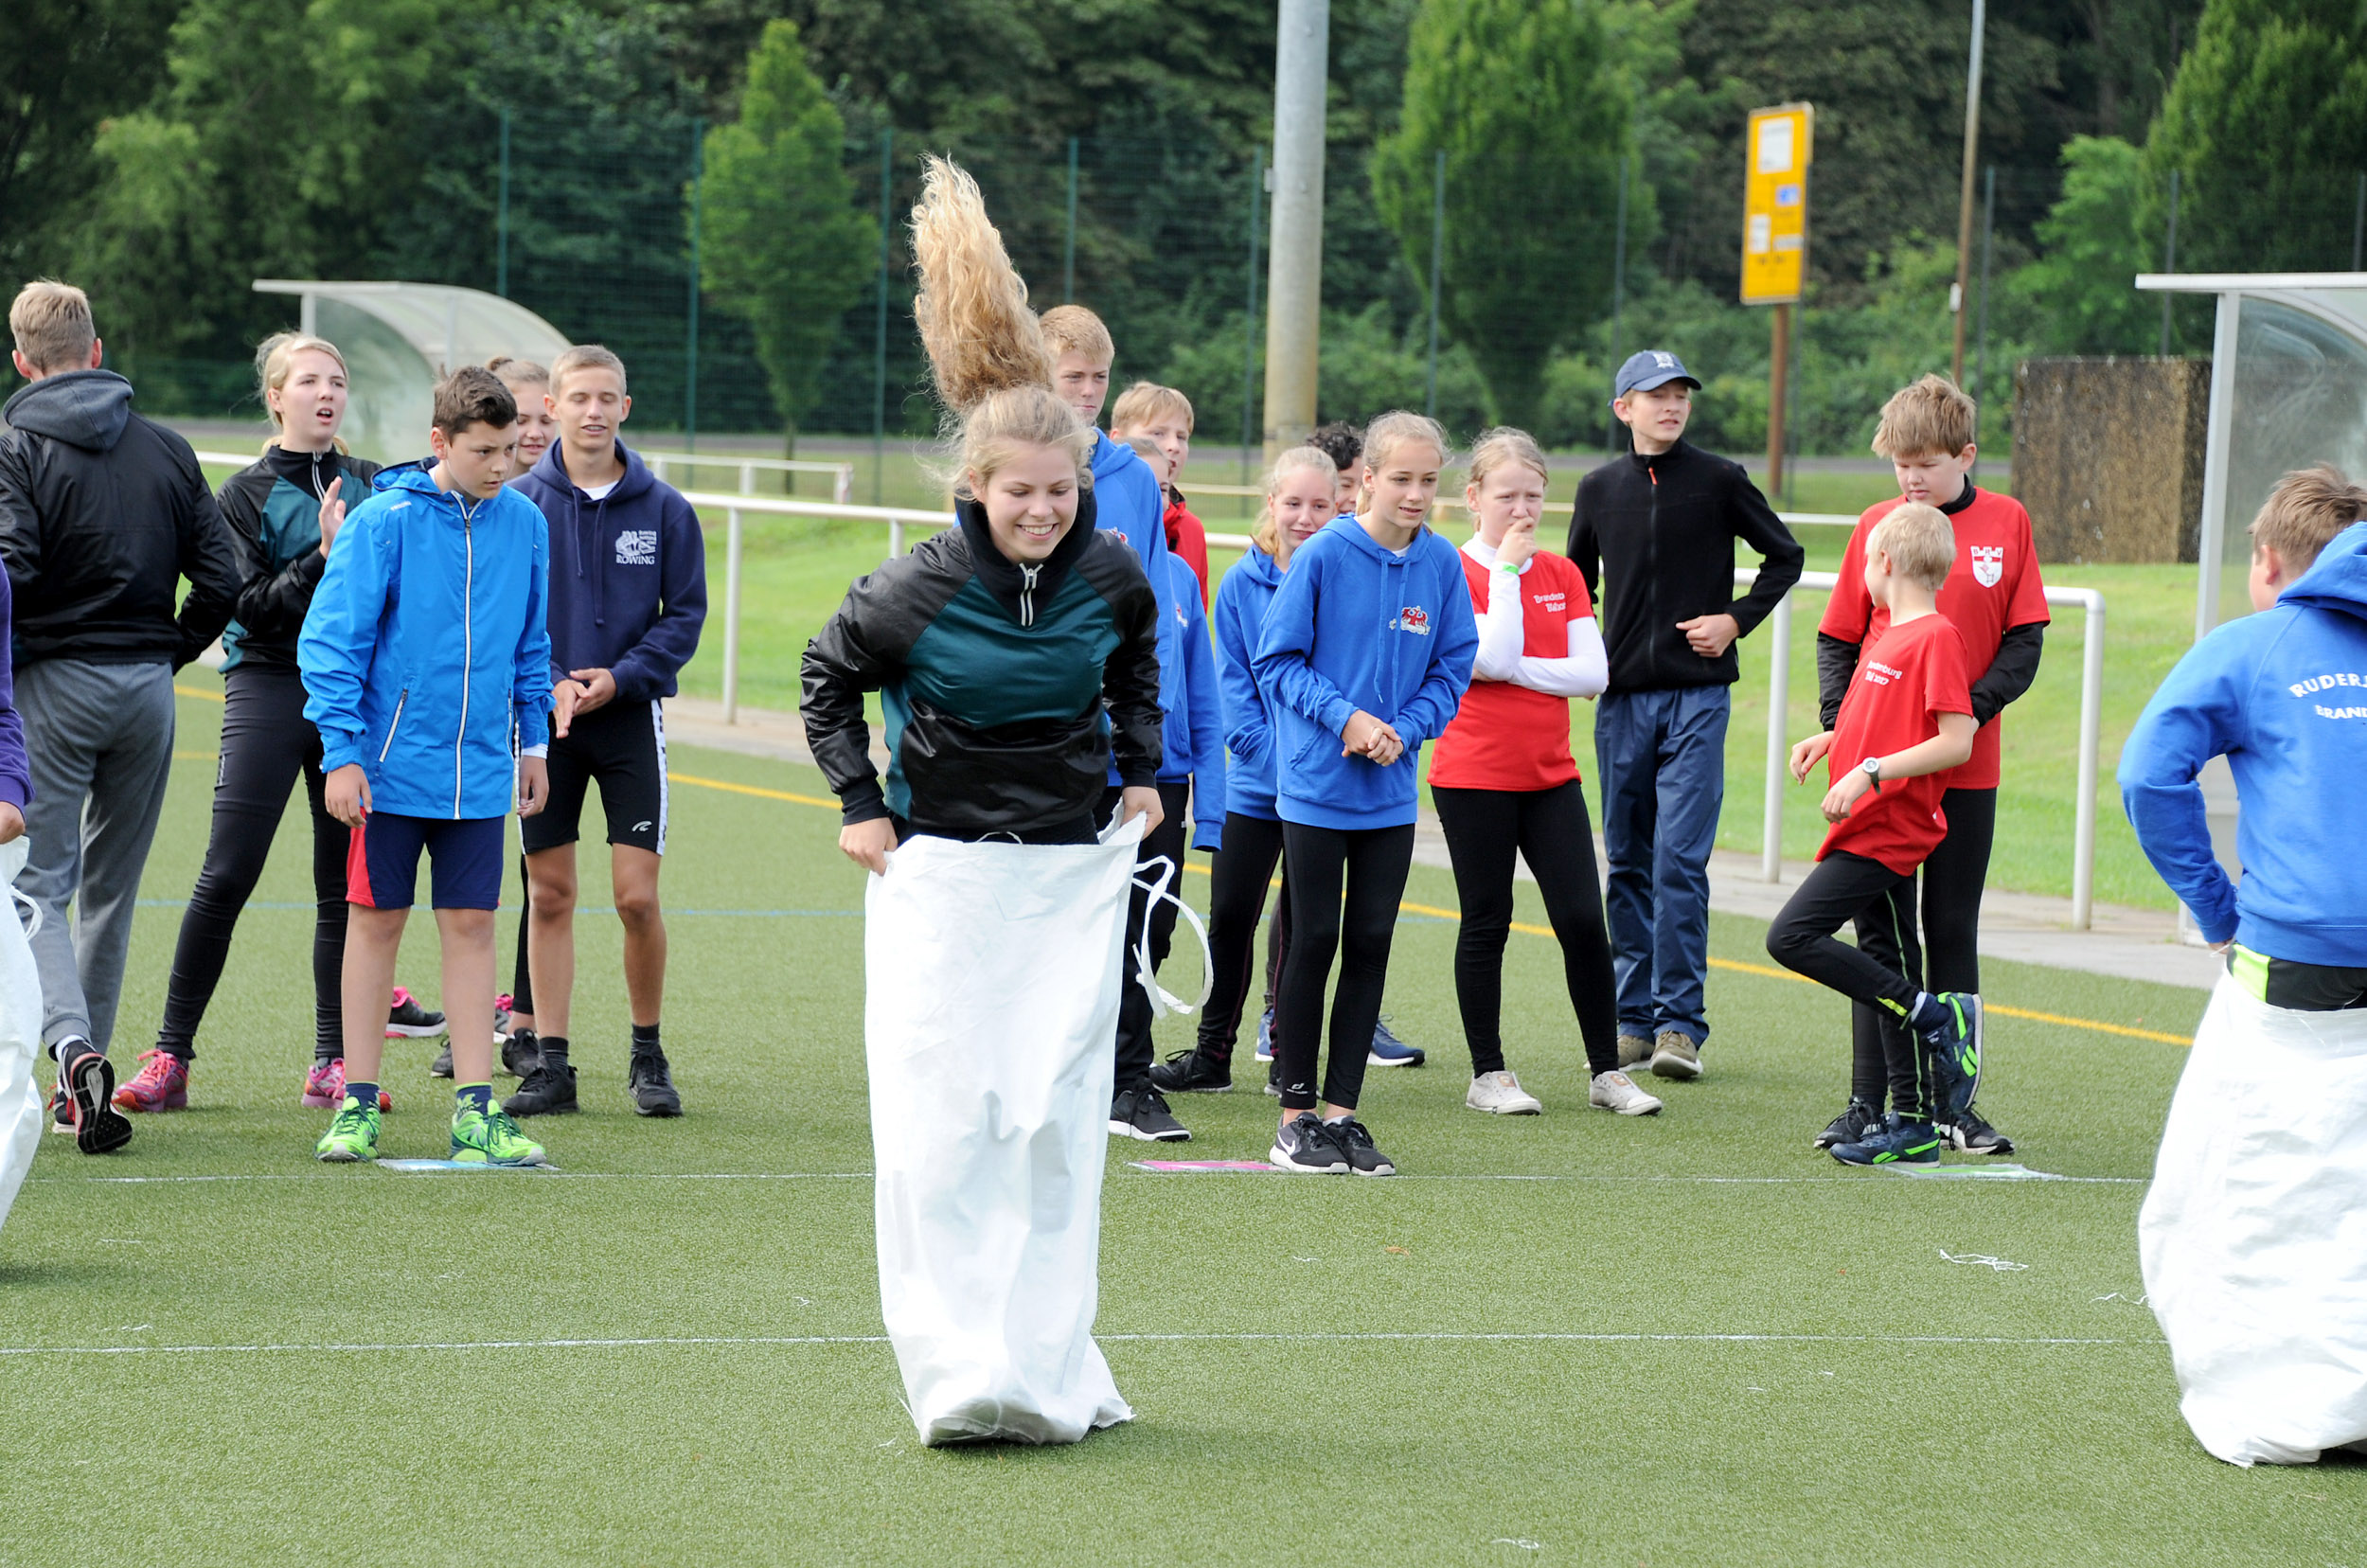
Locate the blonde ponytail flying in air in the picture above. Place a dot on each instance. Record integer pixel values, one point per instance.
(987, 353)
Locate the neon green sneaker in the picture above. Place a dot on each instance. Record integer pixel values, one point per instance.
(491, 1137)
(353, 1135)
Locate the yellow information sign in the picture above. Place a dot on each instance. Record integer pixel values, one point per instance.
(1775, 202)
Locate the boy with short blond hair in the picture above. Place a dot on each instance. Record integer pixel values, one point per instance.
(2249, 1235)
(1162, 416)
(1906, 719)
(1995, 598)
(423, 652)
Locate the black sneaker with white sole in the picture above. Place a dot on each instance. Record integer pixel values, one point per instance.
(441, 1066)
(1851, 1126)
(89, 1082)
(1142, 1115)
(651, 1085)
(1305, 1146)
(1192, 1073)
(1356, 1141)
(1974, 1135)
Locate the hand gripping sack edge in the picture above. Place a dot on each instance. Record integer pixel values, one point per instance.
(20, 1033)
(993, 974)
(2254, 1236)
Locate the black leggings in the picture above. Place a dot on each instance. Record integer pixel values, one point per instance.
(1372, 864)
(1953, 876)
(1549, 829)
(1845, 887)
(266, 742)
(1236, 901)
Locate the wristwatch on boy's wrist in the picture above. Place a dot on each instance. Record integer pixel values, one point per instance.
(1871, 767)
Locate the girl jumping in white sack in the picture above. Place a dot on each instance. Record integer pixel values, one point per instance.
(1014, 656)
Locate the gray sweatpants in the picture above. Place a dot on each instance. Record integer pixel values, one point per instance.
(100, 738)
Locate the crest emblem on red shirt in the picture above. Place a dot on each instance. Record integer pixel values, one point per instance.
(1988, 564)
(1416, 619)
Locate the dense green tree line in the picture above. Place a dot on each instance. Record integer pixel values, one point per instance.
(167, 153)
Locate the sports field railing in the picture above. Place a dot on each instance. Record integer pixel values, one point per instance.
(841, 475)
(898, 519)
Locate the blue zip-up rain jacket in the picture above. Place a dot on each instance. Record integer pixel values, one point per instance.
(427, 648)
(1192, 734)
(1356, 626)
(2281, 694)
(1129, 503)
(1239, 619)
(629, 576)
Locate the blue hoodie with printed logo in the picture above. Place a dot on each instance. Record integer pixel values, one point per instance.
(629, 575)
(2281, 694)
(1358, 626)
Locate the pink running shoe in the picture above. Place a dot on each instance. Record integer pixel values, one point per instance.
(162, 1084)
(325, 1087)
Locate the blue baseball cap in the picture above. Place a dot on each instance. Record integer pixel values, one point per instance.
(1649, 369)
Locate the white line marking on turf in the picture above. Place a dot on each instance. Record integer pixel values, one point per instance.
(866, 1176)
(1983, 1259)
(719, 1341)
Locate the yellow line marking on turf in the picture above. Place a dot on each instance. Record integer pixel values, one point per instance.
(752, 790)
(199, 692)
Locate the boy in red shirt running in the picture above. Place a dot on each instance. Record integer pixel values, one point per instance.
(1995, 599)
(1906, 720)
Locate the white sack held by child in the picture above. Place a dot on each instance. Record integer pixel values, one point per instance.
(20, 1035)
(992, 996)
(2254, 1239)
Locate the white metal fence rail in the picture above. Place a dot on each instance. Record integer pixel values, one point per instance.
(1778, 633)
(841, 475)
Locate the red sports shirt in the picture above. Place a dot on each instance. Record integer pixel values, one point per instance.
(1187, 538)
(1993, 585)
(1508, 736)
(1906, 679)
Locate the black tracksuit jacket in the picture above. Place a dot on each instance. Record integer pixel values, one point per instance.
(1007, 690)
(1663, 530)
(102, 514)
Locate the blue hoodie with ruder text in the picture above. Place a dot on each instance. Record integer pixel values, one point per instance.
(2281, 694)
(425, 652)
(629, 575)
(1356, 626)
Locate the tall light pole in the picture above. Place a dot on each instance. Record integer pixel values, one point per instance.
(1964, 205)
(1294, 275)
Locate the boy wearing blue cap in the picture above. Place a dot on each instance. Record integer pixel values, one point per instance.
(1661, 522)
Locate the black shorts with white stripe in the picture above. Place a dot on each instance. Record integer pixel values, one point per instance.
(622, 746)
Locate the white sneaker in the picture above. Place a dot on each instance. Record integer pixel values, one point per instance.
(1617, 1091)
(1500, 1094)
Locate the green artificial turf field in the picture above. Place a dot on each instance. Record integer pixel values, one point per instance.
(1564, 1339)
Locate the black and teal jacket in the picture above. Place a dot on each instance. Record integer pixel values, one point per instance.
(1007, 690)
(274, 507)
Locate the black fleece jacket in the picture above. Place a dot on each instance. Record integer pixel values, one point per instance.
(102, 514)
(1662, 530)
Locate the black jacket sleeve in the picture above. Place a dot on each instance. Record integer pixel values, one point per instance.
(1585, 550)
(859, 649)
(2009, 674)
(1836, 662)
(271, 604)
(1757, 524)
(209, 558)
(1129, 687)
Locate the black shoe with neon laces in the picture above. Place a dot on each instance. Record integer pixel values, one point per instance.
(1899, 1142)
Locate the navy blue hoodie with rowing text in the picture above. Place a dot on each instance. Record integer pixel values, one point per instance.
(629, 575)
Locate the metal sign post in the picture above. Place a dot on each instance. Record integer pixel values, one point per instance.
(1779, 148)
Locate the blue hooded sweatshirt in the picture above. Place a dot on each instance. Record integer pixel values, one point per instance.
(629, 576)
(1192, 738)
(1356, 626)
(1129, 503)
(1239, 619)
(2283, 695)
(426, 651)
(16, 772)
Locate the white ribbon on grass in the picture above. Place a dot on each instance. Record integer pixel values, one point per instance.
(1161, 872)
